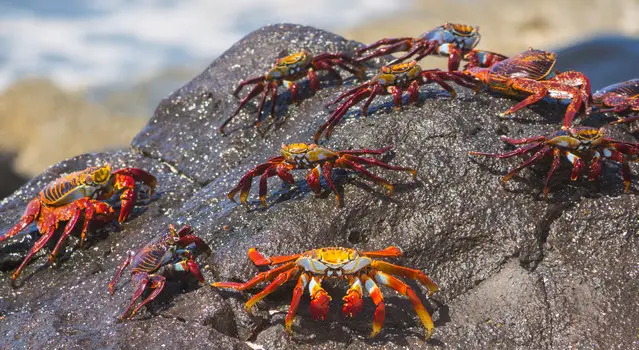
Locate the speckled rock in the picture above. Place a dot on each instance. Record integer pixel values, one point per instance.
(515, 270)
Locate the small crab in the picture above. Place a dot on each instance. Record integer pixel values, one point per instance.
(320, 161)
(530, 74)
(392, 80)
(79, 192)
(457, 41)
(170, 251)
(289, 69)
(358, 268)
(621, 98)
(579, 145)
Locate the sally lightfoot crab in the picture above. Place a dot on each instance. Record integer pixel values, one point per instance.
(579, 145)
(392, 80)
(321, 161)
(77, 193)
(286, 71)
(530, 75)
(171, 251)
(359, 269)
(621, 98)
(457, 41)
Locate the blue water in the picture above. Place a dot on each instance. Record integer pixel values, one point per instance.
(80, 43)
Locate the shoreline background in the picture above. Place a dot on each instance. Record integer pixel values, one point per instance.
(56, 102)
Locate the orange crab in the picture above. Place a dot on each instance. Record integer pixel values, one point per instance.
(321, 161)
(68, 197)
(358, 268)
(530, 75)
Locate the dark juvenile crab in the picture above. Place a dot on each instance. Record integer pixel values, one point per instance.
(621, 98)
(392, 80)
(529, 74)
(457, 41)
(171, 251)
(68, 197)
(320, 161)
(358, 268)
(289, 69)
(580, 146)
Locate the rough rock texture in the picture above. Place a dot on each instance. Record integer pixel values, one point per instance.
(515, 270)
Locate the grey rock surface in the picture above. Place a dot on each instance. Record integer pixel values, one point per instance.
(515, 270)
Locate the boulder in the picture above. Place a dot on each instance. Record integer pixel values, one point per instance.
(515, 269)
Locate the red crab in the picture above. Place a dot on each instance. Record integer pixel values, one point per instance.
(529, 74)
(358, 268)
(579, 145)
(320, 161)
(289, 69)
(168, 252)
(392, 80)
(621, 98)
(457, 41)
(68, 197)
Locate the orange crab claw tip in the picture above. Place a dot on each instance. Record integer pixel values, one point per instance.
(429, 333)
(627, 189)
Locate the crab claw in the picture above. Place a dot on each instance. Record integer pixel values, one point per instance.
(199, 243)
(125, 179)
(319, 305)
(353, 303)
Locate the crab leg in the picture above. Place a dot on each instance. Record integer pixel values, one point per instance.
(394, 45)
(379, 163)
(341, 111)
(347, 164)
(397, 98)
(243, 83)
(625, 169)
(434, 76)
(245, 182)
(555, 164)
(260, 260)
(263, 189)
(536, 90)
(254, 92)
(378, 299)
(36, 247)
(421, 48)
(539, 154)
(578, 165)
(70, 225)
(157, 284)
(384, 253)
(313, 179)
(353, 302)
(277, 282)
(406, 272)
(261, 277)
(327, 171)
(126, 263)
(513, 153)
(522, 141)
(30, 214)
(413, 92)
(402, 288)
(595, 166)
(367, 151)
(295, 302)
(319, 299)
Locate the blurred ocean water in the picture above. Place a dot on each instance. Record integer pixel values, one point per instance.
(86, 44)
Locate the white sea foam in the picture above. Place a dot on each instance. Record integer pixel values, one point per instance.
(108, 41)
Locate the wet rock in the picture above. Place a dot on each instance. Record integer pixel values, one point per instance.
(515, 270)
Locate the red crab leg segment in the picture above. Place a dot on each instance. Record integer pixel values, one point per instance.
(407, 273)
(347, 164)
(402, 288)
(244, 185)
(295, 302)
(30, 214)
(36, 247)
(319, 299)
(388, 252)
(379, 163)
(555, 164)
(123, 266)
(277, 282)
(353, 302)
(378, 299)
(142, 280)
(73, 210)
(125, 179)
(260, 260)
(261, 277)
